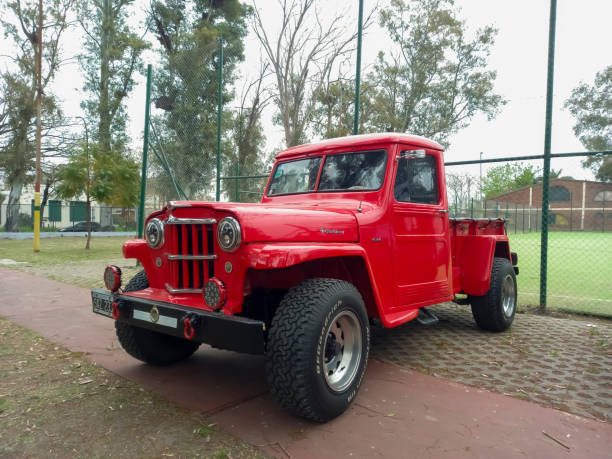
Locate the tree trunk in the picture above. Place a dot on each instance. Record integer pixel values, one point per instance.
(104, 134)
(12, 207)
(43, 202)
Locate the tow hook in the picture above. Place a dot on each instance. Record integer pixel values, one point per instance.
(190, 322)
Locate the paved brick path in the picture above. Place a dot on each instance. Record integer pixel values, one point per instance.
(397, 413)
(561, 363)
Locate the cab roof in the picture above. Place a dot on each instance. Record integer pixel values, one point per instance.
(360, 140)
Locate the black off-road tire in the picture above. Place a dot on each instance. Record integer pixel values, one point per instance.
(488, 310)
(310, 315)
(149, 346)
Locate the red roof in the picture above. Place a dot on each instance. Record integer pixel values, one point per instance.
(359, 140)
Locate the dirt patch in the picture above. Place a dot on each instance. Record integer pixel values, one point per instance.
(562, 363)
(55, 403)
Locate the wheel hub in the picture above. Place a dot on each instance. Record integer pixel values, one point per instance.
(342, 351)
(508, 295)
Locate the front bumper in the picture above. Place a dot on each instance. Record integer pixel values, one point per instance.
(234, 333)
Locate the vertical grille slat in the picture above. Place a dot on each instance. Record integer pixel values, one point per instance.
(189, 231)
(200, 252)
(192, 239)
(211, 249)
(179, 240)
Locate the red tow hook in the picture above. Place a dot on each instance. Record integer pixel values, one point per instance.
(115, 310)
(188, 329)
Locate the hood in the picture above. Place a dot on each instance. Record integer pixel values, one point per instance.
(280, 223)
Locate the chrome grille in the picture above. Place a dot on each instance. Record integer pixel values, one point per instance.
(192, 254)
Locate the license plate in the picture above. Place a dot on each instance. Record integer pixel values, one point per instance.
(102, 303)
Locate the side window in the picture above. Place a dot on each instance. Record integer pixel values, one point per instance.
(417, 180)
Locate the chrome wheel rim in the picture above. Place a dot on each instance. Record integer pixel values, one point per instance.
(508, 295)
(342, 352)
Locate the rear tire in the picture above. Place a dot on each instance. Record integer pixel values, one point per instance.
(495, 310)
(149, 346)
(318, 348)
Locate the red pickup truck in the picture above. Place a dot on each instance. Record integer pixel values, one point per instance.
(348, 230)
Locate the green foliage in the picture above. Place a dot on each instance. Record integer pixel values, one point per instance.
(111, 58)
(591, 105)
(508, 177)
(186, 87)
(437, 80)
(108, 178)
(19, 21)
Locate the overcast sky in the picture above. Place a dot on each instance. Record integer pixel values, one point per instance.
(519, 56)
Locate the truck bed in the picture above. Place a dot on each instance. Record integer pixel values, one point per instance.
(474, 240)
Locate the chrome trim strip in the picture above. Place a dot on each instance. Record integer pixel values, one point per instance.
(190, 221)
(192, 257)
(182, 290)
(166, 321)
(176, 205)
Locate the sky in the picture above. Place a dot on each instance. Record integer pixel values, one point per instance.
(519, 56)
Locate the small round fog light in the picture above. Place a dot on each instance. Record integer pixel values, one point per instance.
(215, 293)
(112, 278)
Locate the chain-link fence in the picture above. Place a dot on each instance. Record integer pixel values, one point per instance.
(579, 259)
(200, 149)
(198, 144)
(71, 216)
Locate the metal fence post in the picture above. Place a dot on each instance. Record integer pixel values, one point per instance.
(219, 117)
(236, 181)
(145, 151)
(603, 213)
(547, 140)
(358, 69)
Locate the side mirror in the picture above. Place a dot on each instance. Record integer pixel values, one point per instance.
(412, 154)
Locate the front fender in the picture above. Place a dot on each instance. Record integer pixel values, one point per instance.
(279, 256)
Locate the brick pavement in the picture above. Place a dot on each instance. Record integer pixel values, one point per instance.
(563, 363)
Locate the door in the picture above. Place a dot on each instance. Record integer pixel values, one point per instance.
(422, 251)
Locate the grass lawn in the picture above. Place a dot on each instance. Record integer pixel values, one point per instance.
(65, 258)
(579, 271)
(55, 403)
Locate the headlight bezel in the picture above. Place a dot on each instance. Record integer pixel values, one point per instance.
(237, 231)
(155, 222)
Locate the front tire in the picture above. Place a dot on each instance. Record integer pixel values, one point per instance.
(146, 345)
(495, 310)
(318, 348)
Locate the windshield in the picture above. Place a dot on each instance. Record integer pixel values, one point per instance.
(341, 172)
(354, 171)
(295, 177)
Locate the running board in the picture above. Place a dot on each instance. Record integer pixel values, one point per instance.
(427, 317)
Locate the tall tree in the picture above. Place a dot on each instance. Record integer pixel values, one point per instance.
(508, 177)
(302, 57)
(434, 79)
(110, 61)
(100, 175)
(591, 105)
(17, 129)
(186, 88)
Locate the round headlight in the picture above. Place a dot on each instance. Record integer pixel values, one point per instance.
(228, 234)
(154, 233)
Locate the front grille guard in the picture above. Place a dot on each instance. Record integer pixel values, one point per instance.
(192, 253)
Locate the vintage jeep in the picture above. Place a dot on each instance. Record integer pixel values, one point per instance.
(349, 230)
